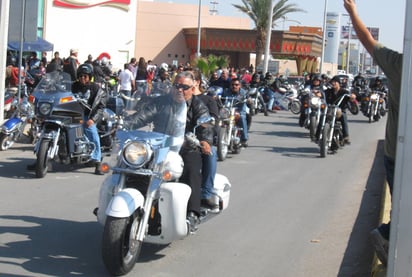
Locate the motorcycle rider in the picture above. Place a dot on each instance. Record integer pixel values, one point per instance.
(256, 83)
(182, 90)
(96, 101)
(332, 95)
(209, 162)
(359, 81)
(237, 91)
(316, 89)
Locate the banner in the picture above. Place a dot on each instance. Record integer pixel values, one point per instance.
(345, 32)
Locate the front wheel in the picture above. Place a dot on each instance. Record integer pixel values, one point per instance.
(353, 108)
(6, 141)
(222, 144)
(120, 249)
(295, 106)
(42, 162)
(312, 127)
(323, 143)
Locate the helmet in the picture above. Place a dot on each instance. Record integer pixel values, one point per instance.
(214, 91)
(268, 75)
(317, 77)
(336, 79)
(104, 61)
(85, 69)
(325, 76)
(283, 78)
(164, 66)
(379, 78)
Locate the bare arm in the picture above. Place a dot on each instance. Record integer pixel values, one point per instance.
(362, 32)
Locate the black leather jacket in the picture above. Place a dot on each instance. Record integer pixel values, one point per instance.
(164, 104)
(195, 110)
(96, 99)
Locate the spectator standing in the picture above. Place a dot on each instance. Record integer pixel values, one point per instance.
(126, 82)
(71, 63)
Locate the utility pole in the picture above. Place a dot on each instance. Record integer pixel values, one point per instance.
(268, 38)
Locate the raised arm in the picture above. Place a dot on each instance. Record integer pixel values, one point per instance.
(362, 32)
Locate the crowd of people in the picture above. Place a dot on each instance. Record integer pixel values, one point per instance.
(187, 84)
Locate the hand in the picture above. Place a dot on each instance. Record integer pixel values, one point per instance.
(89, 122)
(206, 149)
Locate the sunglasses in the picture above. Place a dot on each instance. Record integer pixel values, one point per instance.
(182, 86)
(235, 85)
(83, 76)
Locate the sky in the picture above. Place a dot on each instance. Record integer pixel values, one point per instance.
(388, 16)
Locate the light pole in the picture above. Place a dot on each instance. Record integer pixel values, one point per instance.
(198, 54)
(323, 36)
(268, 38)
(348, 49)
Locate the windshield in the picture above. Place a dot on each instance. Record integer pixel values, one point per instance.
(54, 82)
(163, 115)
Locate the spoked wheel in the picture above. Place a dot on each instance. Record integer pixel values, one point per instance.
(120, 250)
(6, 141)
(323, 142)
(222, 144)
(295, 107)
(42, 162)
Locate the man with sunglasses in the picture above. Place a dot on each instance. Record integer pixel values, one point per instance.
(237, 91)
(183, 90)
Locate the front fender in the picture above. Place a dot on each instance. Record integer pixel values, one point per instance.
(124, 203)
(11, 124)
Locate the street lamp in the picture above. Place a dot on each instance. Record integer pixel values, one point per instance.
(323, 36)
(268, 38)
(198, 54)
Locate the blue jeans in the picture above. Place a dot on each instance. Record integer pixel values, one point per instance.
(243, 124)
(209, 167)
(93, 136)
(141, 88)
(384, 229)
(271, 95)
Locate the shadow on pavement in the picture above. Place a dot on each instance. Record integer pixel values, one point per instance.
(359, 254)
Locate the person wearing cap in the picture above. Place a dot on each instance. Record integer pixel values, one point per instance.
(71, 63)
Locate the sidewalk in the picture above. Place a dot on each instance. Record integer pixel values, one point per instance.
(379, 270)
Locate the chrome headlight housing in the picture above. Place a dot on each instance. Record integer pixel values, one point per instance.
(137, 154)
(45, 108)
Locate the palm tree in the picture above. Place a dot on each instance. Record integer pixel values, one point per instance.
(258, 11)
(208, 65)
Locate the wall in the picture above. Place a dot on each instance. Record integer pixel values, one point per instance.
(159, 25)
(92, 30)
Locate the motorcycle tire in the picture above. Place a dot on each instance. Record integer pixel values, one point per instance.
(353, 108)
(312, 128)
(382, 111)
(222, 144)
(323, 142)
(6, 142)
(295, 106)
(119, 251)
(42, 161)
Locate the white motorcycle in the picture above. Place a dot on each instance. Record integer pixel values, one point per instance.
(143, 201)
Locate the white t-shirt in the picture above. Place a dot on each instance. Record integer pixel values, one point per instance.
(125, 79)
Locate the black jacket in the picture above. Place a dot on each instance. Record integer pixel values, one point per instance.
(333, 98)
(96, 99)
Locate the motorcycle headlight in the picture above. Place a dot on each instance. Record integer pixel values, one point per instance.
(137, 154)
(45, 108)
(374, 97)
(173, 167)
(314, 101)
(24, 107)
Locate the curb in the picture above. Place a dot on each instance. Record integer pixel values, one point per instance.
(378, 269)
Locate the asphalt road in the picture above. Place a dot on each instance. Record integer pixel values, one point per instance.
(291, 212)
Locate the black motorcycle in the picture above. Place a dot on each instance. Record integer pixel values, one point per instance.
(59, 114)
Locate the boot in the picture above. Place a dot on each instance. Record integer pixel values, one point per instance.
(98, 170)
